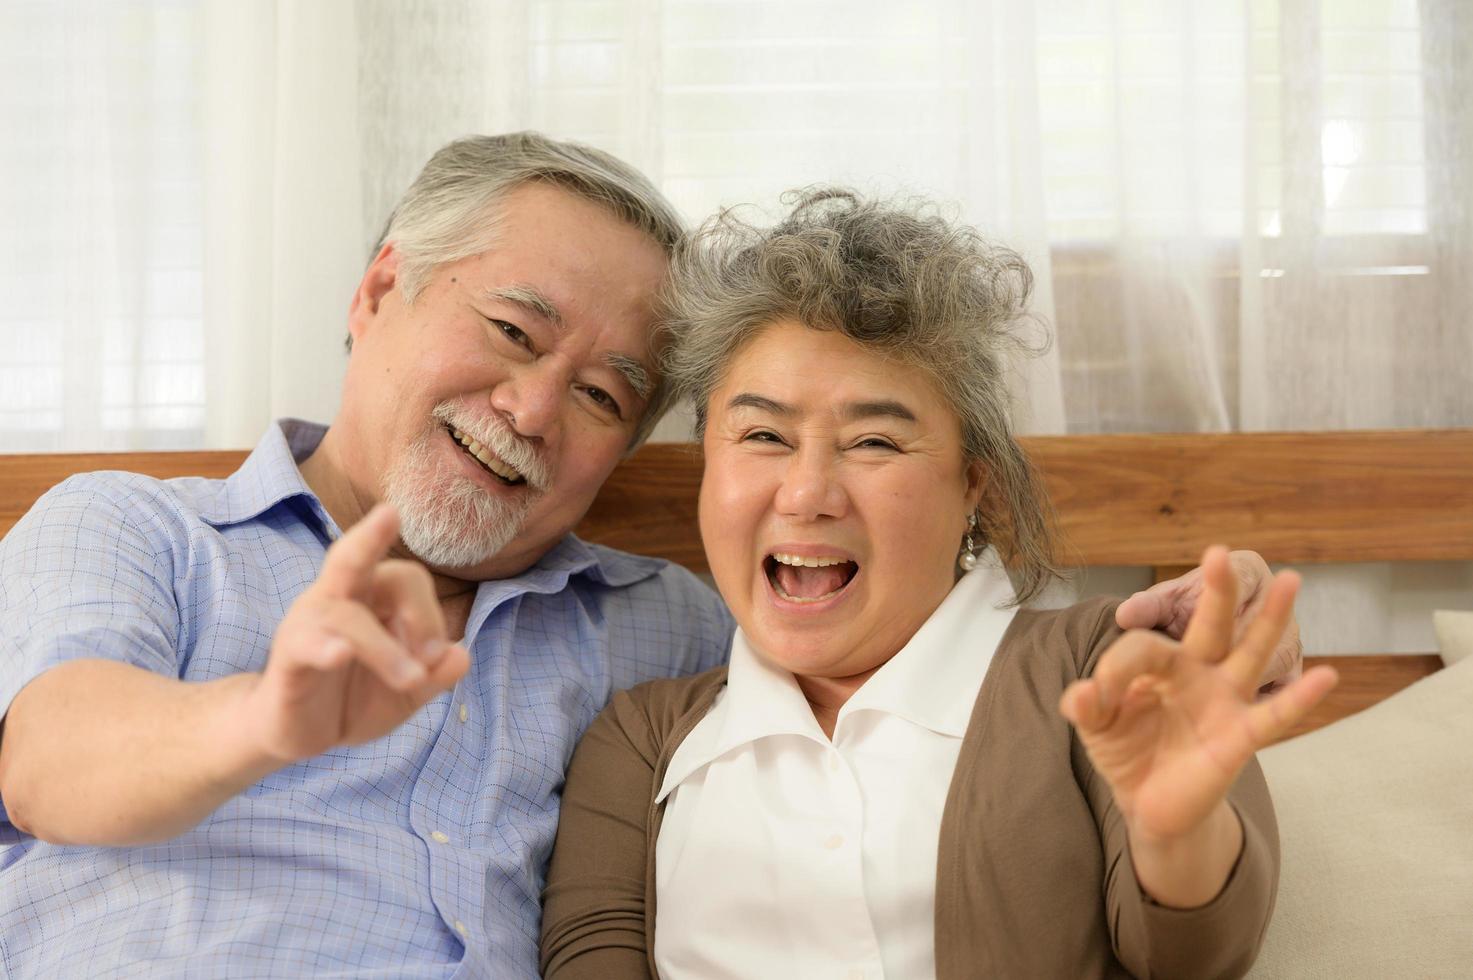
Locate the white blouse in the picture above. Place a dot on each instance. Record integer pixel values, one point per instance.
(785, 854)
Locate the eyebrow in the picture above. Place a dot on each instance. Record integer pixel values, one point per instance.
(760, 402)
(851, 412)
(529, 299)
(886, 408)
(635, 373)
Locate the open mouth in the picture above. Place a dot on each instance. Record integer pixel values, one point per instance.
(488, 461)
(808, 578)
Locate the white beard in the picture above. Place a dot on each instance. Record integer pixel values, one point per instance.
(445, 519)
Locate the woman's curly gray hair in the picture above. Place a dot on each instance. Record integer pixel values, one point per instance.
(898, 280)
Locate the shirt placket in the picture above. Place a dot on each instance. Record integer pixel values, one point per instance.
(841, 843)
(442, 807)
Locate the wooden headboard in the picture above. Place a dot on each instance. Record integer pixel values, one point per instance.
(1139, 500)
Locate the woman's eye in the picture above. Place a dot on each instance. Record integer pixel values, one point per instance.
(874, 442)
(763, 435)
(513, 333)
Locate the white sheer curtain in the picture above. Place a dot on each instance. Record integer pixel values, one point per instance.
(182, 218)
(285, 230)
(1253, 215)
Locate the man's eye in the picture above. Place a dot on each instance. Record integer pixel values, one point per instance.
(513, 333)
(763, 435)
(605, 401)
(874, 442)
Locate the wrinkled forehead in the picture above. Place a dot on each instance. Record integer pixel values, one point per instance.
(800, 367)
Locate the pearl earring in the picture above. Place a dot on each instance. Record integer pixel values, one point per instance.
(968, 558)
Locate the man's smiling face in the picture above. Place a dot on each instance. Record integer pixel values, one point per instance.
(492, 408)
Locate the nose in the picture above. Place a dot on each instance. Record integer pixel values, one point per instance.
(531, 398)
(811, 487)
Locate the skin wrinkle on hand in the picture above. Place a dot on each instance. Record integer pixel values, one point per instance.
(1168, 606)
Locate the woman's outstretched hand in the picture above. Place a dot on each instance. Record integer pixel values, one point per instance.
(1169, 725)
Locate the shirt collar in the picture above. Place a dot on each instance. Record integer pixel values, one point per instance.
(933, 681)
(269, 476)
(759, 700)
(935, 678)
(572, 555)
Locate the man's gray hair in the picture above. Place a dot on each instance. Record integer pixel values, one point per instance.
(898, 280)
(450, 211)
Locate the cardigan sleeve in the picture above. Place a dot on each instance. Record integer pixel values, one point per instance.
(1219, 939)
(593, 915)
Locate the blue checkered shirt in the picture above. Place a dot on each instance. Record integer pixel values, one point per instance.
(421, 854)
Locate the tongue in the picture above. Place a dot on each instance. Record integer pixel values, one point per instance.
(809, 583)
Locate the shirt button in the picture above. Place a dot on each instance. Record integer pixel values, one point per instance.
(835, 842)
(463, 714)
(440, 838)
(460, 928)
(833, 759)
(856, 974)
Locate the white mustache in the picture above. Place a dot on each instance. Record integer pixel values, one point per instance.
(496, 436)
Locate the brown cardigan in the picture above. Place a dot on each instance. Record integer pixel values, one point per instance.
(1033, 874)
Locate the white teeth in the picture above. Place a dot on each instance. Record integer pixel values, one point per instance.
(807, 562)
(492, 463)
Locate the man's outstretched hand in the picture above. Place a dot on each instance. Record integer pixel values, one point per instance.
(362, 649)
(358, 652)
(1168, 607)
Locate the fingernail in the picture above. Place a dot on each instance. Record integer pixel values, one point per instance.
(432, 650)
(409, 671)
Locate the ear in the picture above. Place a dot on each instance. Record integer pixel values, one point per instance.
(377, 282)
(978, 477)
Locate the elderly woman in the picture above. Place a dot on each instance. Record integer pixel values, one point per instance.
(902, 773)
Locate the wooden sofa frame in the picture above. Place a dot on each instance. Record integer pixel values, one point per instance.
(1134, 500)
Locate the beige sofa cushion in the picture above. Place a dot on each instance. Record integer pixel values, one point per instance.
(1376, 818)
(1454, 628)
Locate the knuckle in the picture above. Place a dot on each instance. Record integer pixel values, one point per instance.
(412, 624)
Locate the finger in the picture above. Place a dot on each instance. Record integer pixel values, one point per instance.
(445, 673)
(1246, 664)
(1287, 661)
(1253, 576)
(1080, 704)
(1209, 635)
(350, 561)
(1276, 680)
(1272, 718)
(1135, 654)
(333, 653)
(402, 595)
(372, 646)
(1152, 609)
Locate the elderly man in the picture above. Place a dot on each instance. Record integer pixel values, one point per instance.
(313, 718)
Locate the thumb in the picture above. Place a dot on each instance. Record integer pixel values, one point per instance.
(1148, 609)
